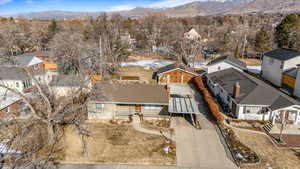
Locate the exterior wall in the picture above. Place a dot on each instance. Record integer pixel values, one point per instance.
(45, 78)
(241, 114)
(50, 66)
(19, 85)
(110, 111)
(220, 66)
(272, 71)
(289, 81)
(291, 63)
(297, 85)
(175, 76)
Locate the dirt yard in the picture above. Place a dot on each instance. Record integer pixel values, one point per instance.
(144, 75)
(116, 144)
(270, 155)
(252, 62)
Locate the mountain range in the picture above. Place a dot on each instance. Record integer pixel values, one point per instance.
(197, 8)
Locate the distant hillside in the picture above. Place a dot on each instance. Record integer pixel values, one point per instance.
(198, 8)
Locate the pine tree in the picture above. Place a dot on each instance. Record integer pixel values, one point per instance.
(262, 41)
(285, 31)
(53, 28)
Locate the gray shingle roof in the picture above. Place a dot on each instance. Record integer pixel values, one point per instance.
(253, 90)
(168, 68)
(230, 60)
(12, 73)
(67, 81)
(130, 93)
(282, 54)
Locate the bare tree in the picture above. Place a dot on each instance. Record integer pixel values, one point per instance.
(39, 137)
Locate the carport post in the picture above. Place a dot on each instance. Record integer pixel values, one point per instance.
(192, 117)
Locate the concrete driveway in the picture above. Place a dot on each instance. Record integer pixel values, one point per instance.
(198, 148)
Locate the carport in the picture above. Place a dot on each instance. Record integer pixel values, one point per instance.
(183, 105)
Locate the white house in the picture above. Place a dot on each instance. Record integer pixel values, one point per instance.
(15, 78)
(192, 35)
(249, 98)
(276, 62)
(225, 62)
(66, 85)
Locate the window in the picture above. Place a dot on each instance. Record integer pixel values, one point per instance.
(152, 107)
(99, 106)
(253, 110)
(282, 64)
(228, 98)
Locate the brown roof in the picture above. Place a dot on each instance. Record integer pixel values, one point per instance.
(130, 94)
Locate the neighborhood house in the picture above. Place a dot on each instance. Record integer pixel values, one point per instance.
(66, 85)
(278, 62)
(119, 101)
(174, 73)
(15, 78)
(246, 97)
(225, 62)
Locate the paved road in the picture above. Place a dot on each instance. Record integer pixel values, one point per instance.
(122, 167)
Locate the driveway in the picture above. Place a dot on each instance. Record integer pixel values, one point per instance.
(199, 148)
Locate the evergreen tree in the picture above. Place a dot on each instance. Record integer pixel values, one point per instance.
(53, 28)
(262, 41)
(285, 31)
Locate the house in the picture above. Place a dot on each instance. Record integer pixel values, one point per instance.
(174, 73)
(249, 98)
(119, 101)
(43, 76)
(276, 63)
(11, 106)
(29, 61)
(15, 78)
(225, 62)
(66, 85)
(192, 35)
(37, 60)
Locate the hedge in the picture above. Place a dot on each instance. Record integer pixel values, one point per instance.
(213, 107)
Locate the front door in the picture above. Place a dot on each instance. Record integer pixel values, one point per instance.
(138, 108)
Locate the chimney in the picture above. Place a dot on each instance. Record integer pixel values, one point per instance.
(236, 90)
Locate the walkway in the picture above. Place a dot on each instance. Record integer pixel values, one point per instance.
(136, 124)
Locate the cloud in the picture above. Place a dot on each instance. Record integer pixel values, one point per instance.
(121, 8)
(170, 3)
(4, 1)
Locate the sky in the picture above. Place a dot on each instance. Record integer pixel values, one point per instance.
(12, 7)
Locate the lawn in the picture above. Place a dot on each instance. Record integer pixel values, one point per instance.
(116, 144)
(270, 155)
